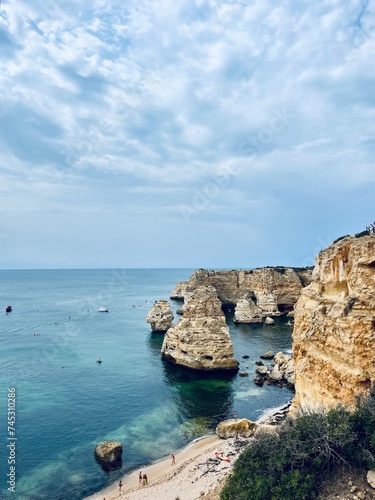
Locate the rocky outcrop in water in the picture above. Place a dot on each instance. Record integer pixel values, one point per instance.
(280, 372)
(179, 291)
(201, 339)
(247, 312)
(274, 289)
(334, 331)
(108, 453)
(160, 316)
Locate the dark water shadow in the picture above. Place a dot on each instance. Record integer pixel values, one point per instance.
(200, 394)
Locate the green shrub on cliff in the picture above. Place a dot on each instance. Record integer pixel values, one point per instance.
(294, 464)
(362, 233)
(362, 421)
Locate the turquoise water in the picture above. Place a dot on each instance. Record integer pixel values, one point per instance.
(66, 402)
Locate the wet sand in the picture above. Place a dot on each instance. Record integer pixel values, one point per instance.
(197, 470)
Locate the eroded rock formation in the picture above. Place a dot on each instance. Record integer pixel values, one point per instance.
(160, 316)
(247, 312)
(280, 372)
(178, 293)
(273, 289)
(201, 339)
(334, 331)
(236, 428)
(109, 453)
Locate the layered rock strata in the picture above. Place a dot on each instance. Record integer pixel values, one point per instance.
(247, 312)
(178, 293)
(334, 331)
(160, 316)
(273, 289)
(201, 339)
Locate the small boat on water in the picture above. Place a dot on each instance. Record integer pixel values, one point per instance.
(103, 309)
(99, 361)
(8, 309)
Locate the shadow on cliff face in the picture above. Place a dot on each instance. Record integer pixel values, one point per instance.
(200, 393)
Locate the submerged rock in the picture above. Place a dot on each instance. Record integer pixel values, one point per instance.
(259, 380)
(160, 316)
(201, 338)
(268, 355)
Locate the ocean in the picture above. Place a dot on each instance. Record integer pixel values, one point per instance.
(66, 403)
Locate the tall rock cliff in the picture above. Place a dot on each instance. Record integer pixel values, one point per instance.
(201, 339)
(247, 312)
(273, 289)
(334, 331)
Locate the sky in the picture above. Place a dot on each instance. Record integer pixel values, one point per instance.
(184, 133)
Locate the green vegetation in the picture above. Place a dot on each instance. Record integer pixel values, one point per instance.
(307, 450)
(362, 233)
(340, 238)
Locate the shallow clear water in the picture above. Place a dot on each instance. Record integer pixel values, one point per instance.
(67, 403)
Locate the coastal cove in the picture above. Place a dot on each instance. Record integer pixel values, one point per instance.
(67, 403)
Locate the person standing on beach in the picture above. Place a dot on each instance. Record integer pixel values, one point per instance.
(120, 485)
(145, 482)
(140, 477)
(173, 460)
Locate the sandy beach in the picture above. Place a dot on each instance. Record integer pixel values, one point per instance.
(196, 472)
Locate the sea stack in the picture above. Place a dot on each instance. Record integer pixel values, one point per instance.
(201, 339)
(334, 331)
(274, 289)
(247, 312)
(160, 316)
(108, 453)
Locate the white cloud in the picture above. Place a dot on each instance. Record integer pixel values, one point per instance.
(105, 105)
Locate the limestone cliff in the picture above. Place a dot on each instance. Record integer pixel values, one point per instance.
(334, 332)
(201, 339)
(247, 312)
(273, 289)
(160, 316)
(179, 290)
